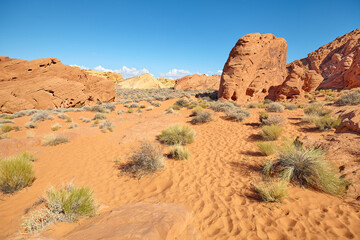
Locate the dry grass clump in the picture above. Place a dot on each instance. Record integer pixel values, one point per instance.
(256, 105)
(53, 140)
(267, 148)
(99, 116)
(316, 109)
(179, 152)
(62, 116)
(120, 112)
(85, 120)
(177, 134)
(290, 106)
(326, 122)
(3, 121)
(148, 158)
(16, 172)
(170, 110)
(196, 110)
(316, 114)
(182, 102)
(202, 117)
(97, 108)
(73, 125)
(55, 127)
(106, 126)
(134, 105)
(149, 108)
(349, 99)
(307, 167)
(40, 116)
(6, 128)
(275, 107)
(221, 106)
(237, 114)
(273, 190)
(271, 132)
(272, 120)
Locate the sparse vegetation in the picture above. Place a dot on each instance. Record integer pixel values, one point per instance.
(85, 120)
(73, 125)
(40, 116)
(177, 134)
(99, 116)
(221, 106)
(55, 127)
(273, 190)
(16, 173)
(271, 132)
(106, 126)
(326, 122)
(267, 148)
(170, 110)
(275, 107)
(290, 106)
(349, 99)
(3, 121)
(6, 128)
(120, 112)
(179, 152)
(148, 158)
(53, 140)
(272, 120)
(202, 117)
(237, 115)
(130, 110)
(197, 110)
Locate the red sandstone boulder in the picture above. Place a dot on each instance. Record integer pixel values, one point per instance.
(47, 83)
(255, 65)
(197, 81)
(350, 119)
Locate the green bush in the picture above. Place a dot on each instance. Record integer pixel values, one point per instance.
(307, 167)
(179, 152)
(16, 173)
(272, 191)
(177, 134)
(266, 148)
(271, 132)
(202, 118)
(71, 202)
(148, 158)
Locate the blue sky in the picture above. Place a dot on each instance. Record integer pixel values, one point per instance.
(165, 38)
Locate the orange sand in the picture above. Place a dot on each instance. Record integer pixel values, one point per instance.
(215, 184)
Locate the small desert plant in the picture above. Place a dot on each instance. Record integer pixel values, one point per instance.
(349, 99)
(271, 132)
(177, 134)
(273, 120)
(55, 127)
(130, 110)
(5, 128)
(307, 167)
(73, 125)
(327, 122)
(98, 109)
(40, 116)
(85, 120)
(71, 202)
(275, 107)
(316, 109)
(28, 156)
(221, 106)
(290, 106)
(62, 116)
(263, 115)
(68, 119)
(266, 148)
(142, 106)
(120, 112)
(149, 108)
(237, 114)
(134, 105)
(53, 140)
(256, 105)
(99, 116)
(179, 152)
(197, 110)
(3, 121)
(148, 158)
(176, 107)
(109, 106)
(106, 126)
(155, 104)
(202, 117)
(15, 173)
(272, 191)
(170, 110)
(182, 102)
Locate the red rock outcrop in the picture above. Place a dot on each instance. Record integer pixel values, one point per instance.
(350, 118)
(255, 65)
(47, 83)
(197, 81)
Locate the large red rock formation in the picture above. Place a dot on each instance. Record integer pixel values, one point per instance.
(255, 65)
(47, 83)
(197, 81)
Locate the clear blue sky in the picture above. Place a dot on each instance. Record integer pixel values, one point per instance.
(193, 36)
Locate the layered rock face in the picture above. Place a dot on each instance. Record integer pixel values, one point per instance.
(47, 83)
(112, 76)
(255, 65)
(145, 81)
(197, 81)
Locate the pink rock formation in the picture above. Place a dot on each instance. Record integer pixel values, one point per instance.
(47, 83)
(197, 81)
(255, 65)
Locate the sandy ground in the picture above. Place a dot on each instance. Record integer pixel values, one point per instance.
(215, 184)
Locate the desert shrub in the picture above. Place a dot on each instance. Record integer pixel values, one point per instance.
(98, 108)
(307, 167)
(263, 115)
(349, 99)
(179, 152)
(15, 173)
(221, 106)
(176, 107)
(120, 112)
(53, 140)
(177, 134)
(182, 102)
(71, 202)
(68, 119)
(290, 106)
(256, 105)
(149, 108)
(4, 136)
(5, 128)
(273, 120)
(170, 110)
(266, 148)
(326, 122)
(55, 127)
(99, 116)
(237, 114)
(134, 105)
(85, 120)
(28, 156)
(275, 107)
(130, 110)
(62, 116)
(40, 116)
(106, 126)
(139, 110)
(272, 191)
(148, 158)
(8, 116)
(30, 125)
(155, 104)
(73, 125)
(268, 101)
(271, 132)
(202, 117)
(3, 121)
(316, 109)
(109, 106)
(142, 106)
(196, 110)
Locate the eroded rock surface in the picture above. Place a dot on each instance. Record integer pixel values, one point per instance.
(145, 81)
(197, 81)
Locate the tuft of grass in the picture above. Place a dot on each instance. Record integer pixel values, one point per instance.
(149, 108)
(40, 116)
(55, 127)
(176, 107)
(237, 115)
(62, 116)
(85, 120)
(53, 140)
(16, 173)
(307, 167)
(272, 191)
(6, 128)
(106, 126)
(179, 152)
(316, 109)
(148, 158)
(28, 156)
(71, 202)
(120, 112)
(222, 106)
(271, 132)
(202, 117)
(256, 105)
(263, 115)
(130, 110)
(177, 134)
(326, 122)
(68, 119)
(99, 116)
(349, 99)
(266, 148)
(272, 120)
(182, 102)
(290, 106)
(170, 110)
(275, 107)
(197, 110)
